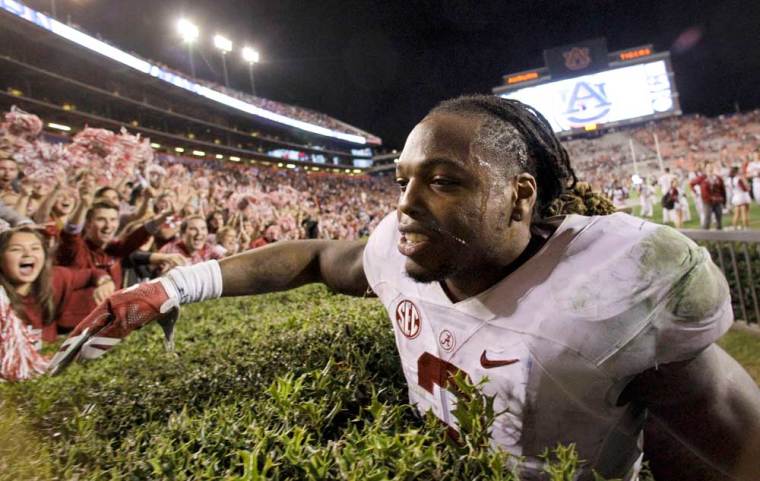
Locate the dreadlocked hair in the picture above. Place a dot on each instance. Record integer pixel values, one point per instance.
(519, 132)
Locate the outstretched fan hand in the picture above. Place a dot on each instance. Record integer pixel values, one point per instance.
(125, 311)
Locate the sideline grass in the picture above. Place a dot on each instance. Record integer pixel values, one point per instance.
(754, 215)
(745, 348)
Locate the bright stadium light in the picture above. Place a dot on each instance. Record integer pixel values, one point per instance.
(199, 153)
(219, 156)
(189, 33)
(222, 43)
(187, 30)
(155, 145)
(234, 158)
(179, 149)
(225, 46)
(55, 126)
(251, 56)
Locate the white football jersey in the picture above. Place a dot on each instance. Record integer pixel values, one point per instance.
(605, 299)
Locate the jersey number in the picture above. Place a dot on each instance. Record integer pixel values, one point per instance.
(433, 370)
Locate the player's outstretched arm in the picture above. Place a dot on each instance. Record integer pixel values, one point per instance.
(706, 409)
(282, 266)
(289, 264)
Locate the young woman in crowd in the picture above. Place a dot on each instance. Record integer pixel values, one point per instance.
(39, 293)
(214, 221)
(227, 242)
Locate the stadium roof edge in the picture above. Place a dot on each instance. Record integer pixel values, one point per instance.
(55, 27)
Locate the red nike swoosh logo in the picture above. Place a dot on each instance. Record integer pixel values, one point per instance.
(490, 364)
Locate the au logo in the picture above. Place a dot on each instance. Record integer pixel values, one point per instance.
(577, 58)
(587, 102)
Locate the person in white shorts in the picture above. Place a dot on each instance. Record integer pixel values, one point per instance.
(740, 199)
(587, 328)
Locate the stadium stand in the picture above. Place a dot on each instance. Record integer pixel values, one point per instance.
(53, 77)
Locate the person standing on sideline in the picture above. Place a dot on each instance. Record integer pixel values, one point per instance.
(695, 189)
(683, 199)
(740, 199)
(665, 182)
(676, 212)
(713, 192)
(646, 197)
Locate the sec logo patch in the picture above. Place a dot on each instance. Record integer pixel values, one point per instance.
(408, 319)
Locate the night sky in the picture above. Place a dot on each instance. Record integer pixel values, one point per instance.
(381, 65)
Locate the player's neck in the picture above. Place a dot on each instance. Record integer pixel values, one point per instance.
(467, 284)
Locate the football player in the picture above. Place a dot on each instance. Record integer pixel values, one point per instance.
(584, 325)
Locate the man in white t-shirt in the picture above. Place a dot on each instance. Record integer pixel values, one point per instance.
(586, 327)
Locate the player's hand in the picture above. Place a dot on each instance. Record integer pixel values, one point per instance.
(174, 260)
(167, 262)
(125, 311)
(103, 291)
(86, 194)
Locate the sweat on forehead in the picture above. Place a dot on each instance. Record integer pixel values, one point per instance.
(493, 143)
(488, 142)
(501, 144)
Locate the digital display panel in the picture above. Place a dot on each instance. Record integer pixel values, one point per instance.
(614, 95)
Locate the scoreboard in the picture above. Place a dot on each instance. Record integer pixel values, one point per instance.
(633, 85)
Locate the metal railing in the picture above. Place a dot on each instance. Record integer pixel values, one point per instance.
(737, 253)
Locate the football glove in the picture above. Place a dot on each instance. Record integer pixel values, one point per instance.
(123, 312)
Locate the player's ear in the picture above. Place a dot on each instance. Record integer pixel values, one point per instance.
(523, 197)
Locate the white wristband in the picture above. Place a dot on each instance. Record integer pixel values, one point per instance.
(195, 283)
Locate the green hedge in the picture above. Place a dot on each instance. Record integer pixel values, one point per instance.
(300, 385)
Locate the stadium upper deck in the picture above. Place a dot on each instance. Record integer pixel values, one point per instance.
(47, 74)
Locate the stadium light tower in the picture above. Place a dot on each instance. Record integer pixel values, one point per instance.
(225, 46)
(251, 56)
(189, 33)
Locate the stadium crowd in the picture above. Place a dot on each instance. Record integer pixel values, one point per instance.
(102, 212)
(711, 167)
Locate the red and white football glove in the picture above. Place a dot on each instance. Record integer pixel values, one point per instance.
(123, 312)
